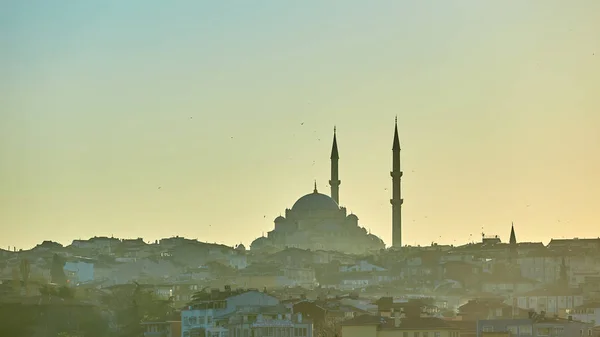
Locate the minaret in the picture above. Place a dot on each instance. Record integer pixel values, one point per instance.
(512, 244)
(335, 180)
(513, 265)
(396, 194)
(513, 237)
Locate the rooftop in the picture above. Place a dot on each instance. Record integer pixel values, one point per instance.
(404, 324)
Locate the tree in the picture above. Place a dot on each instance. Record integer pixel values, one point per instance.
(329, 327)
(65, 292)
(563, 279)
(52, 317)
(25, 269)
(133, 306)
(16, 280)
(57, 272)
(48, 290)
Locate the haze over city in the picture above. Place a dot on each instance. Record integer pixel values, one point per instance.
(208, 120)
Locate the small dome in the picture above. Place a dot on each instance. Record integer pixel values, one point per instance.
(315, 202)
(374, 238)
(241, 247)
(279, 219)
(260, 243)
(352, 217)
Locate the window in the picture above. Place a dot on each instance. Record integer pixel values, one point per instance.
(513, 329)
(416, 334)
(544, 331)
(525, 330)
(300, 332)
(436, 334)
(405, 334)
(425, 334)
(488, 328)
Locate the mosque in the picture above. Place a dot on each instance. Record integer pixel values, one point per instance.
(317, 222)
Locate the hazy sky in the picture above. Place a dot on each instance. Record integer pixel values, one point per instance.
(103, 102)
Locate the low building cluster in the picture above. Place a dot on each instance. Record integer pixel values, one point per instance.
(488, 288)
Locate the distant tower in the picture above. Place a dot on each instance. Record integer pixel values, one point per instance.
(512, 243)
(513, 237)
(335, 179)
(513, 254)
(513, 265)
(396, 194)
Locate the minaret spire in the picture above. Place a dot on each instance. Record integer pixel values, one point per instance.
(315, 190)
(396, 192)
(335, 180)
(513, 237)
(512, 245)
(396, 146)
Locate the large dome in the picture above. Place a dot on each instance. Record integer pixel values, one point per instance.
(315, 202)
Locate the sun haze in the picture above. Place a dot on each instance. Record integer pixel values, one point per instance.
(208, 119)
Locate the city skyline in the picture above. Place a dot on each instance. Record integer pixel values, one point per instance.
(208, 120)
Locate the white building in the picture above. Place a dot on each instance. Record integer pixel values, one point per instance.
(556, 301)
(588, 313)
(238, 261)
(274, 321)
(205, 317)
(79, 271)
(361, 266)
(103, 245)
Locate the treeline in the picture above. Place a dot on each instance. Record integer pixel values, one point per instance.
(60, 311)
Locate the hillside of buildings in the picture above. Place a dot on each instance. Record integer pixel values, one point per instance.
(182, 287)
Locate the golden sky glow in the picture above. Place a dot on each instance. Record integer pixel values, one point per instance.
(102, 103)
